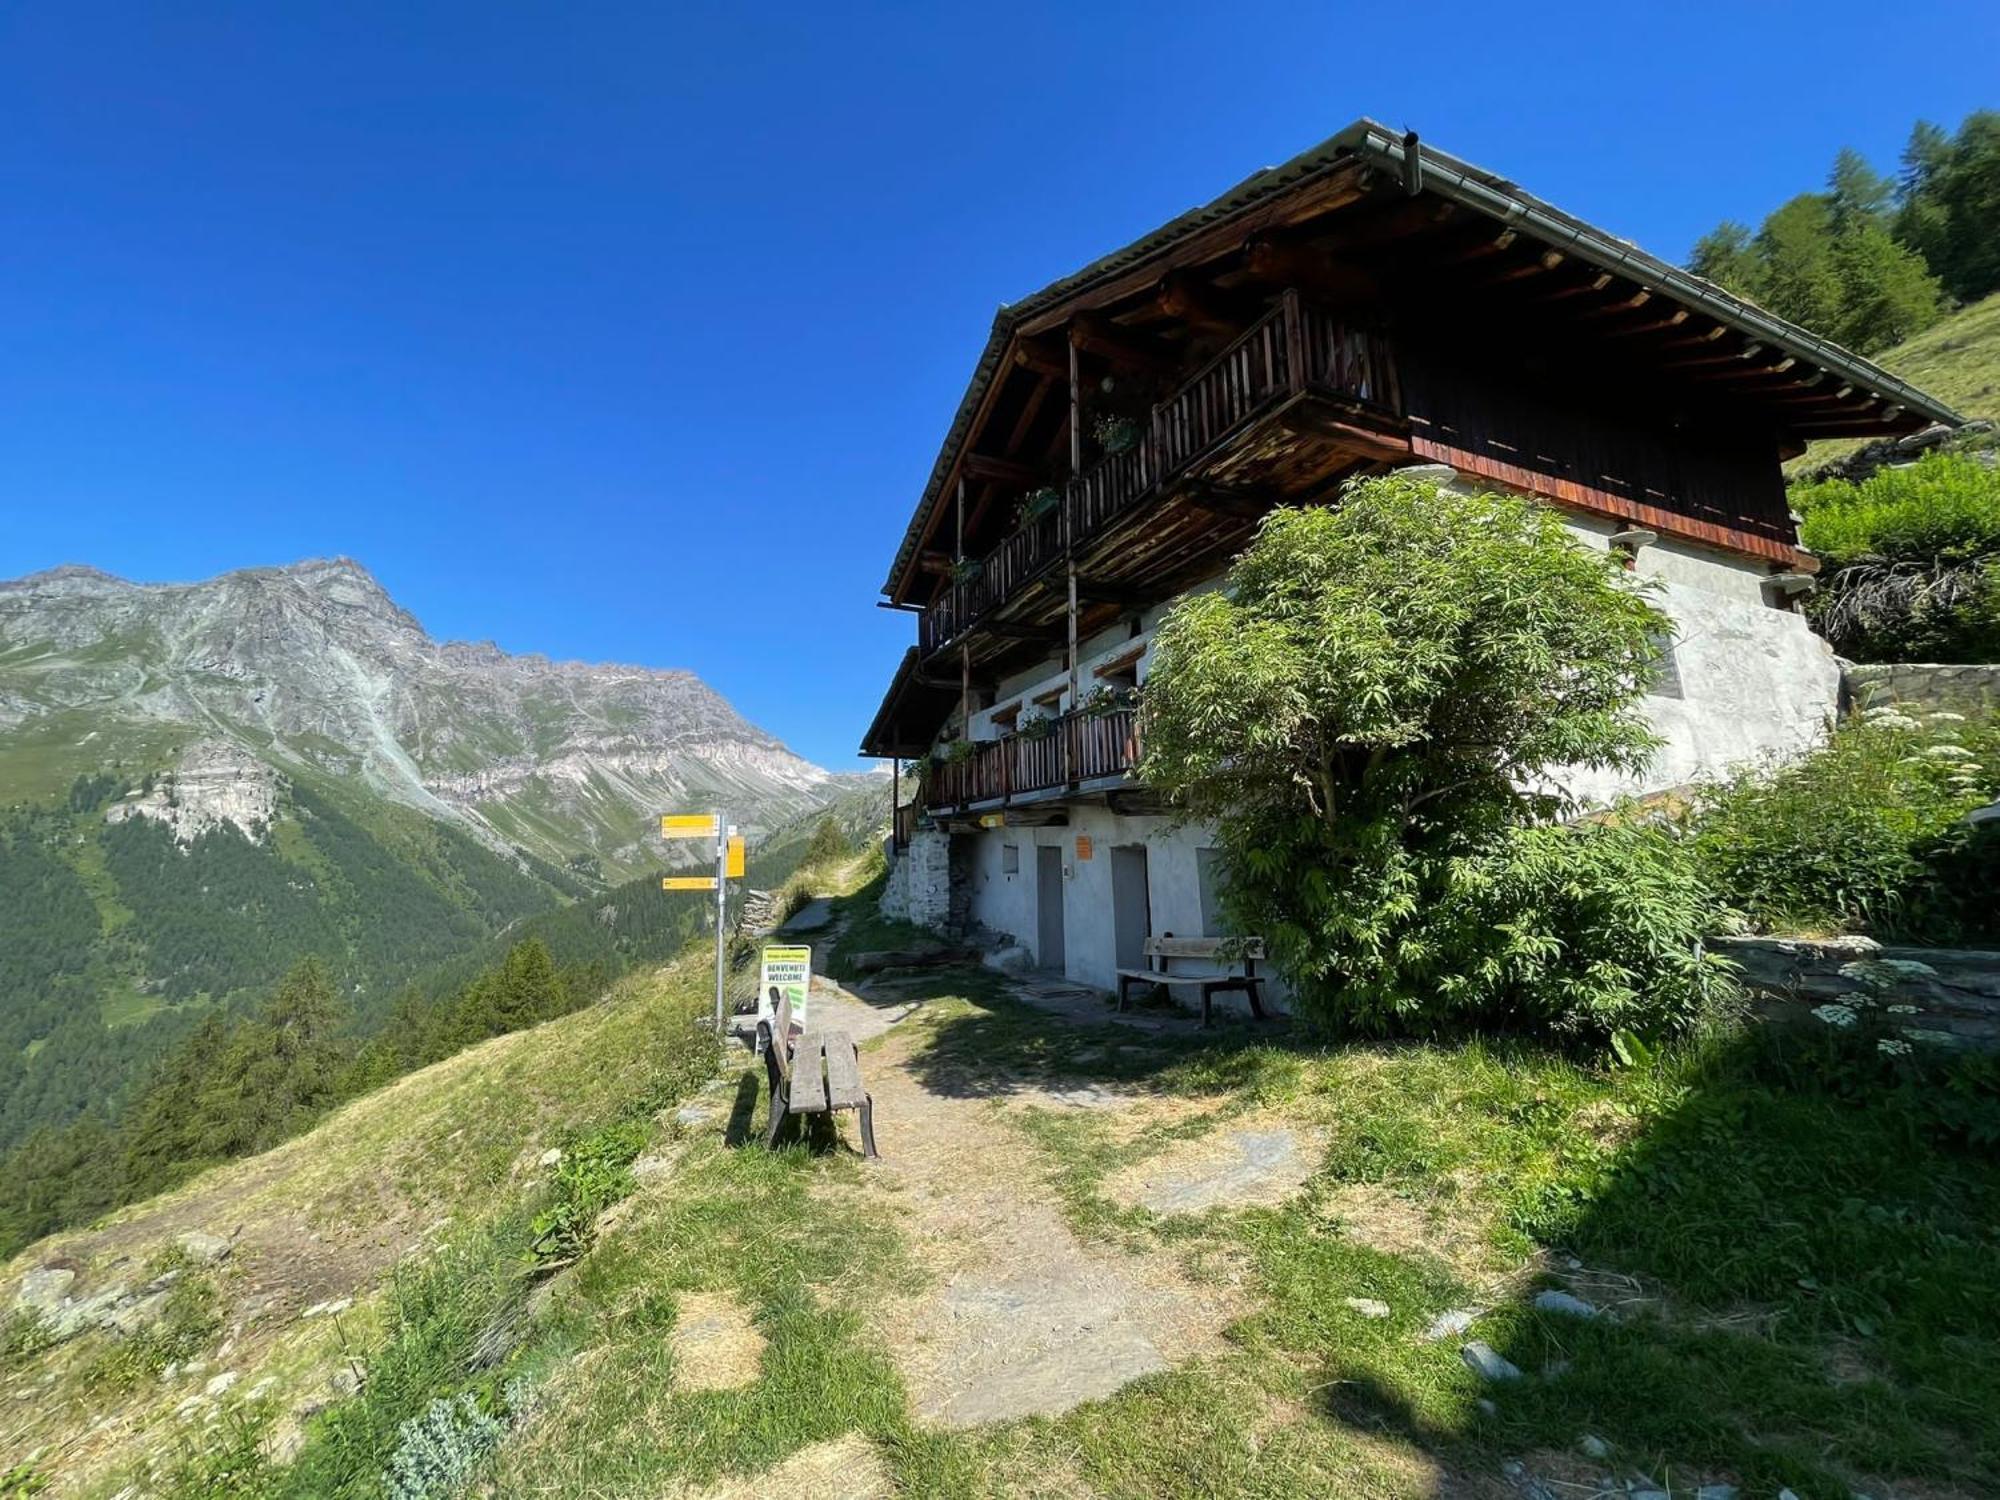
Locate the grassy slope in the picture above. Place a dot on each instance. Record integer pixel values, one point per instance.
(433, 1160)
(1800, 1282)
(1958, 361)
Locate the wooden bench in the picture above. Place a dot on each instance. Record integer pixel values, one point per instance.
(815, 1074)
(1161, 952)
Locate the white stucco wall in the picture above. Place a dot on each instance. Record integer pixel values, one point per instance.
(1006, 903)
(1755, 683)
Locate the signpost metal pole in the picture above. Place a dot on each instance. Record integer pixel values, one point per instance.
(721, 905)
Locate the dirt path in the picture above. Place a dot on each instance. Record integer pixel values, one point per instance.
(1019, 1317)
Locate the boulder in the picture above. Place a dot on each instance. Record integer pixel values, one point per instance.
(1012, 959)
(44, 1289)
(201, 1247)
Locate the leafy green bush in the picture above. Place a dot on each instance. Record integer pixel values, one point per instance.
(1371, 715)
(1866, 835)
(1915, 559)
(594, 1173)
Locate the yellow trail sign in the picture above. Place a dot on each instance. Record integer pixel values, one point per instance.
(734, 868)
(687, 826)
(687, 882)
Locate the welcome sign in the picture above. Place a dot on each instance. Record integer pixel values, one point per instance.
(784, 974)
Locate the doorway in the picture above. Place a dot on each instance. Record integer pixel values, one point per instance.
(1049, 907)
(1131, 905)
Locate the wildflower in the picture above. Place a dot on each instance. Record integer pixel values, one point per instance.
(1944, 716)
(1947, 752)
(1935, 1038)
(1902, 1010)
(1836, 1015)
(1892, 1047)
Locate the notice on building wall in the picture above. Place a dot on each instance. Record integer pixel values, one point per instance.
(1083, 846)
(784, 974)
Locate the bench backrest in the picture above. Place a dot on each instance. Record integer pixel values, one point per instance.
(1169, 946)
(781, 1037)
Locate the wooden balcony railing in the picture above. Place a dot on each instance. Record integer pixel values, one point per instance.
(1292, 348)
(1076, 748)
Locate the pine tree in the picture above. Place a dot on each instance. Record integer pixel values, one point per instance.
(828, 843)
(1727, 257)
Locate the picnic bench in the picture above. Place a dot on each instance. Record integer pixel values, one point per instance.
(818, 1073)
(1161, 951)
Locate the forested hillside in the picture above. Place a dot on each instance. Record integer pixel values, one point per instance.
(115, 934)
(1872, 261)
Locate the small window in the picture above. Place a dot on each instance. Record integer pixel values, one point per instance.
(1208, 874)
(1666, 670)
(1010, 859)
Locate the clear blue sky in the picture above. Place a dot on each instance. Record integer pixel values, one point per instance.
(629, 332)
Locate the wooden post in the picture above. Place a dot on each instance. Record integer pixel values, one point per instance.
(1075, 468)
(1295, 342)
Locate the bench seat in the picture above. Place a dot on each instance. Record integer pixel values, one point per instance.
(1162, 951)
(818, 1073)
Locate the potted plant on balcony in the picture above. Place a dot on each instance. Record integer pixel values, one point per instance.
(1104, 700)
(952, 753)
(1115, 433)
(1036, 504)
(967, 570)
(1036, 726)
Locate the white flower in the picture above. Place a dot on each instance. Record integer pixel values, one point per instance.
(1944, 716)
(1890, 719)
(1902, 1010)
(1893, 1047)
(1938, 1038)
(1947, 752)
(1835, 1015)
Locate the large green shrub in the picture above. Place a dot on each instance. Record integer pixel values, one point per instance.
(1913, 557)
(1372, 714)
(1866, 835)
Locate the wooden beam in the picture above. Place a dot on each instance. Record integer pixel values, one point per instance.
(1492, 245)
(1001, 470)
(1673, 319)
(1198, 304)
(1541, 265)
(1050, 362)
(1637, 300)
(1358, 233)
(1096, 591)
(1590, 286)
(1100, 336)
(1284, 263)
(1030, 409)
(1216, 500)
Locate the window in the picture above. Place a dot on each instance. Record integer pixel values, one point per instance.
(1666, 674)
(1208, 873)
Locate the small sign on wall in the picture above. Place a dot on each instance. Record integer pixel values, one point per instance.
(1083, 846)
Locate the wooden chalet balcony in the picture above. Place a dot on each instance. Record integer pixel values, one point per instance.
(1294, 350)
(1075, 749)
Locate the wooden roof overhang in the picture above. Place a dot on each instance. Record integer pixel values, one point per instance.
(1371, 218)
(910, 712)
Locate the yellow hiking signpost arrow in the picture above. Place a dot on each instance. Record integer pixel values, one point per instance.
(728, 866)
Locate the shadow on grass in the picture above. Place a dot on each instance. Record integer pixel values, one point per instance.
(1794, 1284)
(742, 1109)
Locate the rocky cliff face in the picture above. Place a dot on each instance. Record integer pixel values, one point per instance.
(314, 667)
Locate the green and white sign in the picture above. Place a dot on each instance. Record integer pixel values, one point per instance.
(784, 974)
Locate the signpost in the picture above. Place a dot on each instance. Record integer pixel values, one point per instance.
(728, 846)
(785, 974)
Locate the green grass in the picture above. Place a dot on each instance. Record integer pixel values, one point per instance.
(1799, 1271)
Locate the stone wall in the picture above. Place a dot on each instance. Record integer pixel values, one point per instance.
(1924, 686)
(920, 888)
(1955, 991)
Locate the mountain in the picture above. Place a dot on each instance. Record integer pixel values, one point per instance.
(314, 669)
(203, 784)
